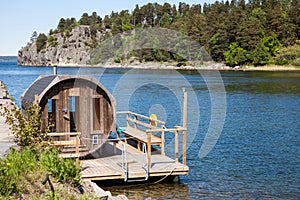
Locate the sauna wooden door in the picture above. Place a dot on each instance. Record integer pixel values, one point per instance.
(70, 110)
(64, 111)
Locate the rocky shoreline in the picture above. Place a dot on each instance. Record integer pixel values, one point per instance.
(209, 66)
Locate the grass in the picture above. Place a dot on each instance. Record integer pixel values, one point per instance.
(23, 171)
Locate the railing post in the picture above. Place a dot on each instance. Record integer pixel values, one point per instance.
(77, 150)
(127, 117)
(184, 132)
(135, 123)
(176, 145)
(149, 149)
(184, 147)
(163, 142)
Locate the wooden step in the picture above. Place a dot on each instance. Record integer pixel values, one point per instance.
(71, 149)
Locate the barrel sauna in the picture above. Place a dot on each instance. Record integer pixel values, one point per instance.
(74, 104)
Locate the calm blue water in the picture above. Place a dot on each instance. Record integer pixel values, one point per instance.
(257, 155)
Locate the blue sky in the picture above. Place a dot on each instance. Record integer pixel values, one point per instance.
(19, 19)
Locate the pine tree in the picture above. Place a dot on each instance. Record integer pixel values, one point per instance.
(33, 37)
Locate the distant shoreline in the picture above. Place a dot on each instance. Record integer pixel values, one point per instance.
(208, 66)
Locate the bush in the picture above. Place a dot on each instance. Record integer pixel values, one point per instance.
(288, 56)
(235, 55)
(64, 170)
(52, 41)
(19, 170)
(27, 127)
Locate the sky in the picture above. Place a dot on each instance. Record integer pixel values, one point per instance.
(19, 18)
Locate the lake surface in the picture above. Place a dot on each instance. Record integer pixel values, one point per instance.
(257, 154)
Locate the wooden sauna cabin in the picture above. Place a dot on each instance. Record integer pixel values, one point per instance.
(74, 104)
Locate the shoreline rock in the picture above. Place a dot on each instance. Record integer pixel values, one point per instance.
(99, 192)
(208, 66)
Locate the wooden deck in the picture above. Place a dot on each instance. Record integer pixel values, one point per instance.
(109, 166)
(119, 159)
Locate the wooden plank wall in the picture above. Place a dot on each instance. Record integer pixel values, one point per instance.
(93, 111)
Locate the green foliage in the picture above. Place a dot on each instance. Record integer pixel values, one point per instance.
(118, 60)
(26, 126)
(20, 166)
(250, 24)
(261, 55)
(52, 41)
(13, 167)
(67, 33)
(22, 169)
(33, 37)
(272, 43)
(66, 24)
(235, 55)
(41, 42)
(64, 170)
(289, 55)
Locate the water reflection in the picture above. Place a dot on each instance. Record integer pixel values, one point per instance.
(262, 82)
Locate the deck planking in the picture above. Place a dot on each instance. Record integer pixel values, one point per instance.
(109, 166)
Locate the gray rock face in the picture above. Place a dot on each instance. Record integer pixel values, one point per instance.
(66, 49)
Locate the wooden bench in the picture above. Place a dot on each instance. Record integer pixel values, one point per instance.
(138, 127)
(141, 137)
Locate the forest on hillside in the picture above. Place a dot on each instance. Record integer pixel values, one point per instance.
(236, 32)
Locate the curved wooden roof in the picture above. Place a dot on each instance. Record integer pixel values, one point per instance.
(45, 83)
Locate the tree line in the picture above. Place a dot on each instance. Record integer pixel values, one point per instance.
(235, 32)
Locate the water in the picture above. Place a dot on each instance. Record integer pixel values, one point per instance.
(258, 153)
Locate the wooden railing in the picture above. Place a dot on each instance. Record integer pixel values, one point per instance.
(158, 126)
(176, 131)
(144, 123)
(75, 142)
(133, 121)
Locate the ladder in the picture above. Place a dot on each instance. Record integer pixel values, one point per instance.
(125, 164)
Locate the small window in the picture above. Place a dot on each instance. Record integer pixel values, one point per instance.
(49, 105)
(95, 139)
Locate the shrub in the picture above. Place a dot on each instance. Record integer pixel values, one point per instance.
(288, 56)
(64, 170)
(235, 55)
(21, 169)
(52, 41)
(26, 127)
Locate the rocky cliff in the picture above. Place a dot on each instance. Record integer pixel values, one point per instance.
(69, 48)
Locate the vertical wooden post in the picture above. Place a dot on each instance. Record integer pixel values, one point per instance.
(184, 147)
(176, 145)
(163, 142)
(149, 149)
(77, 150)
(127, 121)
(184, 113)
(184, 126)
(135, 119)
